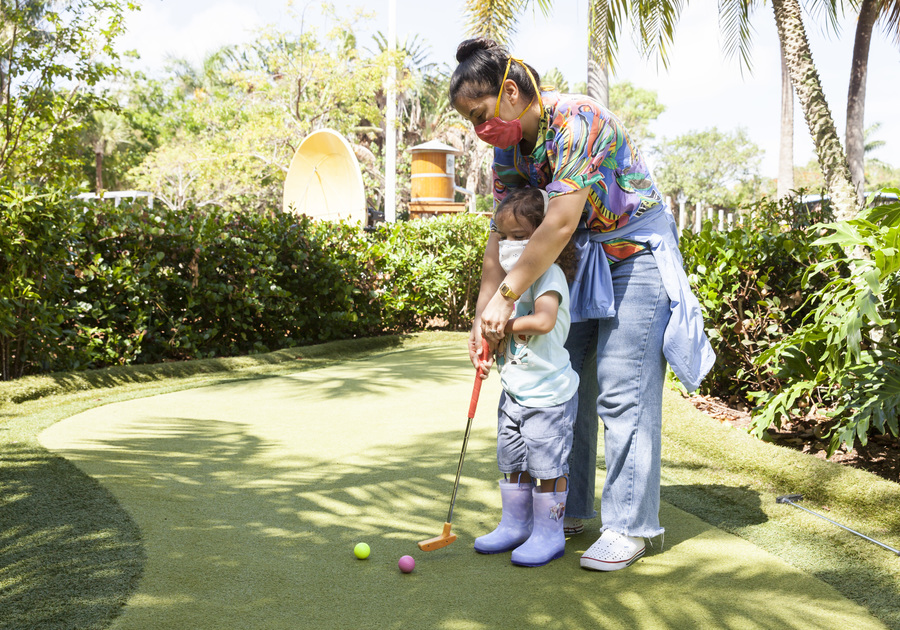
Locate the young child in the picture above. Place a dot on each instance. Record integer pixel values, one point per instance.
(537, 409)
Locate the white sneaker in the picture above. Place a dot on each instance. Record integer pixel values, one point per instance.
(612, 551)
(572, 526)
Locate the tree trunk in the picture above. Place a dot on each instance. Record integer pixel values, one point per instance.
(598, 42)
(786, 150)
(98, 162)
(856, 96)
(805, 79)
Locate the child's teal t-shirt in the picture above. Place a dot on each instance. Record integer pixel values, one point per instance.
(535, 370)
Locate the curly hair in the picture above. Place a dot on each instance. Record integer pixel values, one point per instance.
(527, 204)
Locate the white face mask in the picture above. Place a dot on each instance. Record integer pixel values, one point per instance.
(510, 252)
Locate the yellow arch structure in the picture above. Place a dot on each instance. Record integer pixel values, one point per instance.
(324, 180)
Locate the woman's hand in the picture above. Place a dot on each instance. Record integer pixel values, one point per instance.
(494, 317)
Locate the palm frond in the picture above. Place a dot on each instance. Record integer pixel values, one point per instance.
(889, 19)
(734, 22)
(828, 12)
(495, 19)
(606, 18)
(654, 25)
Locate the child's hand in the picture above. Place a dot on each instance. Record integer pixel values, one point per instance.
(487, 362)
(475, 345)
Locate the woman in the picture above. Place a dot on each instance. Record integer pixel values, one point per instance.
(631, 306)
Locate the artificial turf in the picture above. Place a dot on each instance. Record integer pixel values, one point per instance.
(237, 504)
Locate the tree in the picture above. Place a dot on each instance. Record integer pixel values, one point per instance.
(240, 117)
(734, 15)
(870, 12)
(712, 166)
(805, 79)
(105, 133)
(53, 60)
(786, 148)
(653, 24)
(636, 108)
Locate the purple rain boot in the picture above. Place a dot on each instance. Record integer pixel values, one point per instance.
(547, 541)
(515, 524)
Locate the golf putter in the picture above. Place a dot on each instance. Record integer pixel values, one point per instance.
(446, 536)
(790, 498)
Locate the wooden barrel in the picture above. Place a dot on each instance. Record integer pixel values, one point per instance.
(430, 178)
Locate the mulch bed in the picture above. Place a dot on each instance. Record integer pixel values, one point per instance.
(880, 456)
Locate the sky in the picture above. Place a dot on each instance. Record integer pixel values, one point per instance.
(700, 89)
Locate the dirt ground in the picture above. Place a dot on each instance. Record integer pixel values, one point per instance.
(880, 456)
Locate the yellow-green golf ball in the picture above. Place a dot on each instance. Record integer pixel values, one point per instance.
(361, 551)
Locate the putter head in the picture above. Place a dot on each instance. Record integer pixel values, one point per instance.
(438, 542)
(789, 498)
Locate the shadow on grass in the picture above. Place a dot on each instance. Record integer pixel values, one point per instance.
(242, 524)
(33, 387)
(722, 506)
(69, 554)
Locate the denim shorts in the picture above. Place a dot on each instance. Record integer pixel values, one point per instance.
(536, 439)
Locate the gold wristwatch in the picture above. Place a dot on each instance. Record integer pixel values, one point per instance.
(506, 292)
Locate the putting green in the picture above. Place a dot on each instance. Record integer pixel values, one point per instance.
(251, 495)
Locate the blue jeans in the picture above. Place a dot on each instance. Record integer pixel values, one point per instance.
(621, 365)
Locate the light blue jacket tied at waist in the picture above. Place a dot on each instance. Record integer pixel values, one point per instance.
(685, 345)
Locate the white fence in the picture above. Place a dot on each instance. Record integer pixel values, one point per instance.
(118, 196)
(720, 219)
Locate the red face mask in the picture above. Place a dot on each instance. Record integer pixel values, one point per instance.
(504, 133)
(500, 133)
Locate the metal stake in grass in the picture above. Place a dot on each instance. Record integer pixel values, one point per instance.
(445, 538)
(790, 498)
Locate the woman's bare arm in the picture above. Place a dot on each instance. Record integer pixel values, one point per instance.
(543, 249)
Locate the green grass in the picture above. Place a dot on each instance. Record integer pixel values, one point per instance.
(70, 556)
(731, 480)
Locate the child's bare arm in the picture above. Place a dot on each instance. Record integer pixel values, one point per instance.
(541, 321)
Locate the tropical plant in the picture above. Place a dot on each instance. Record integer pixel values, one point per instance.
(748, 282)
(104, 134)
(845, 358)
(237, 120)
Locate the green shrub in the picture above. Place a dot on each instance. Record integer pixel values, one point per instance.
(37, 229)
(234, 283)
(846, 354)
(431, 270)
(748, 282)
(93, 285)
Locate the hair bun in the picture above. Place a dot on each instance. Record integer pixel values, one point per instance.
(470, 46)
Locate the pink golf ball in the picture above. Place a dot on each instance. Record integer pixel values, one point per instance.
(407, 564)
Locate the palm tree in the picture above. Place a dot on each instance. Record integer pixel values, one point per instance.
(805, 78)
(107, 131)
(494, 19)
(870, 12)
(786, 149)
(599, 49)
(654, 25)
(655, 22)
(554, 77)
